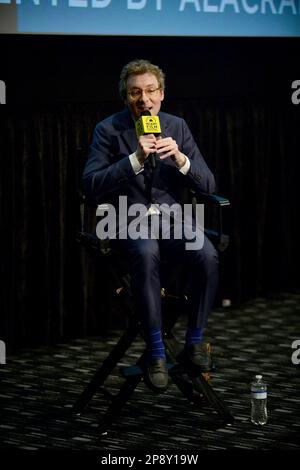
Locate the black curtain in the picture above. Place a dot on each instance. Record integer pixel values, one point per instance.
(51, 290)
(235, 95)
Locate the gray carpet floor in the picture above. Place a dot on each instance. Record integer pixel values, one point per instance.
(39, 386)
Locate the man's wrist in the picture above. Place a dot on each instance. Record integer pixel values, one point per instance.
(140, 159)
(184, 169)
(180, 161)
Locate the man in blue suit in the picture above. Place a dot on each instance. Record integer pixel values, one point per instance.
(119, 165)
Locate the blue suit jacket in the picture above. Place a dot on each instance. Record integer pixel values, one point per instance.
(109, 174)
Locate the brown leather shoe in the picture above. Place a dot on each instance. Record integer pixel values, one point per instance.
(199, 355)
(156, 375)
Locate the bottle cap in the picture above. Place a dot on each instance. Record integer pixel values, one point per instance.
(226, 303)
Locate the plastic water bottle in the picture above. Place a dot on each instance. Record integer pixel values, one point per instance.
(259, 414)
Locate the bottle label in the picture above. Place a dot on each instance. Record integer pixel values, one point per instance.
(259, 395)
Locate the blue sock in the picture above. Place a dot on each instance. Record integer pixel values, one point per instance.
(155, 344)
(193, 336)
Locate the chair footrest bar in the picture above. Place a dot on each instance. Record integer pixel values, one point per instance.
(132, 371)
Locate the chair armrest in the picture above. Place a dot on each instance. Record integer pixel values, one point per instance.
(220, 239)
(214, 198)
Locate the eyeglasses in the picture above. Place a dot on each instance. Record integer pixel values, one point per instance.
(135, 94)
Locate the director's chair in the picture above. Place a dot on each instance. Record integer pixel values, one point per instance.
(195, 386)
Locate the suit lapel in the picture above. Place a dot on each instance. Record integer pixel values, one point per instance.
(163, 125)
(125, 126)
(130, 140)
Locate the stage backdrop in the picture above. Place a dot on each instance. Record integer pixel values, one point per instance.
(237, 97)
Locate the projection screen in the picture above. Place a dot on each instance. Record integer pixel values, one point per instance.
(273, 18)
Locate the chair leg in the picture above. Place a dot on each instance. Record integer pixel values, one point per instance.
(118, 403)
(202, 386)
(122, 397)
(198, 382)
(184, 386)
(106, 368)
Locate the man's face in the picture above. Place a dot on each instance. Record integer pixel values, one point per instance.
(143, 94)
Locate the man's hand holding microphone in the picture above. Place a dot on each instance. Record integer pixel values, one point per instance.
(151, 145)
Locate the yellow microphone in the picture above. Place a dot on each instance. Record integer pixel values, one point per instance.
(147, 124)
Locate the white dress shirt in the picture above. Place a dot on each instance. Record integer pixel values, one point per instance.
(138, 168)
